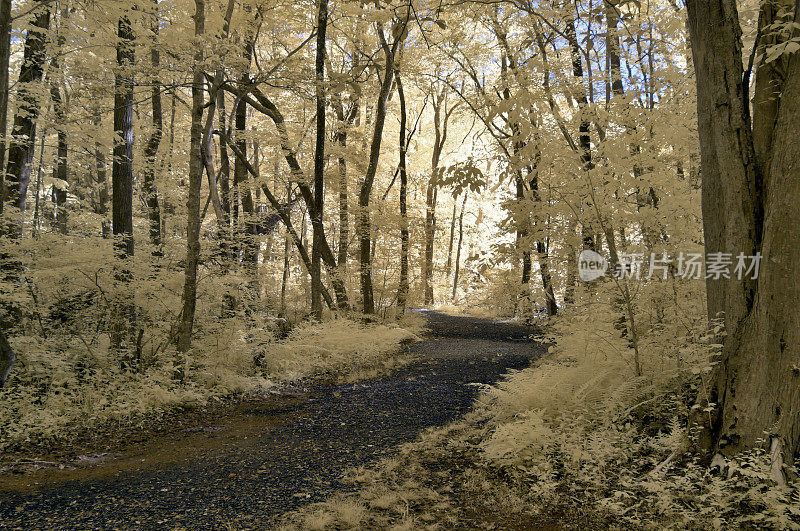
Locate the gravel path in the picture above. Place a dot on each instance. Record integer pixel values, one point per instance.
(278, 459)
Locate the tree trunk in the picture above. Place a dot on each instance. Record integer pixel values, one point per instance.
(266, 106)
(449, 267)
(319, 165)
(59, 191)
(20, 152)
(123, 320)
(224, 160)
(245, 231)
(101, 205)
(458, 249)
(372, 168)
(7, 359)
(402, 290)
(122, 167)
(38, 188)
(151, 149)
(5, 56)
(751, 186)
(284, 214)
(195, 182)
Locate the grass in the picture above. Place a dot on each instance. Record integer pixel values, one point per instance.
(63, 389)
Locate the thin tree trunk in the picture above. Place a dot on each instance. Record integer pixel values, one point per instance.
(151, 149)
(285, 215)
(402, 290)
(266, 106)
(449, 267)
(584, 137)
(319, 165)
(101, 206)
(38, 188)
(195, 182)
(365, 231)
(5, 56)
(224, 159)
(285, 277)
(59, 189)
(458, 249)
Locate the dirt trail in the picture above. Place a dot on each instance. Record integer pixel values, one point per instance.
(267, 458)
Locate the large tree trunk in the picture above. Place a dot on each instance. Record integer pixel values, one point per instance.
(184, 340)
(20, 153)
(319, 165)
(751, 187)
(123, 320)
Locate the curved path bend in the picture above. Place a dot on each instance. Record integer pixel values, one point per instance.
(277, 456)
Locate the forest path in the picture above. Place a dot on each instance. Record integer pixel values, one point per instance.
(263, 461)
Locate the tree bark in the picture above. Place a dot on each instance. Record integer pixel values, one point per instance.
(751, 186)
(151, 148)
(319, 165)
(458, 248)
(59, 192)
(5, 56)
(372, 168)
(122, 167)
(402, 289)
(101, 203)
(184, 339)
(123, 318)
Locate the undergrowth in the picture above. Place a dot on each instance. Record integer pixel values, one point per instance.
(62, 386)
(577, 441)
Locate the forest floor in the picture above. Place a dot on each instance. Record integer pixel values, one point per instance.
(245, 464)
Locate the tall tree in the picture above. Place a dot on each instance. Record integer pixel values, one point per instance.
(157, 132)
(5, 57)
(751, 187)
(184, 335)
(122, 166)
(123, 319)
(441, 119)
(319, 164)
(402, 290)
(399, 30)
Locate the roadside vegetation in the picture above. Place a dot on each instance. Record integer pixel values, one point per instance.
(63, 394)
(577, 441)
